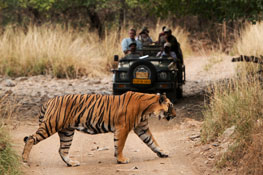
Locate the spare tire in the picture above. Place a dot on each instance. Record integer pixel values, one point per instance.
(142, 66)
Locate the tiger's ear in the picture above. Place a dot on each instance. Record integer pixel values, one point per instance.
(162, 98)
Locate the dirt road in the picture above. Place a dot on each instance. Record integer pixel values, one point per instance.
(95, 153)
(179, 137)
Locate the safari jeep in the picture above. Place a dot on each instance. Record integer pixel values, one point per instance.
(149, 74)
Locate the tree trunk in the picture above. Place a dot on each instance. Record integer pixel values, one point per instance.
(224, 31)
(95, 20)
(122, 16)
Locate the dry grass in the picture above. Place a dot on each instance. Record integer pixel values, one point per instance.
(239, 103)
(9, 107)
(48, 49)
(9, 161)
(250, 41)
(252, 161)
(62, 51)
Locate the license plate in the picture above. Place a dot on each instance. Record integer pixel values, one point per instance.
(141, 74)
(141, 81)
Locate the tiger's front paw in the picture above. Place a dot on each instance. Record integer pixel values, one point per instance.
(162, 154)
(123, 160)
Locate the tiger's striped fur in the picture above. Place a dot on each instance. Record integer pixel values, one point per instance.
(244, 58)
(94, 114)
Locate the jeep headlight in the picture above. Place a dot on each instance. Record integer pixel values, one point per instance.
(123, 76)
(163, 75)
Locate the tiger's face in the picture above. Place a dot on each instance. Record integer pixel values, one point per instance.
(165, 108)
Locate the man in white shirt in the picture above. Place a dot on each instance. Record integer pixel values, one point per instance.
(127, 41)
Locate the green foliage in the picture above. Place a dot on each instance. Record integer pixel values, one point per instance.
(41, 5)
(9, 162)
(111, 10)
(218, 10)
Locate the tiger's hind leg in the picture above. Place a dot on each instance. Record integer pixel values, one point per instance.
(146, 136)
(66, 137)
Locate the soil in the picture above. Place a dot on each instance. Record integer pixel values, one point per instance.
(180, 137)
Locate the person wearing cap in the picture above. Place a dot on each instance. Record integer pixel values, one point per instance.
(132, 48)
(144, 37)
(132, 52)
(175, 46)
(127, 41)
(166, 52)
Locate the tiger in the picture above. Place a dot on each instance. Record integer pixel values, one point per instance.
(249, 59)
(95, 114)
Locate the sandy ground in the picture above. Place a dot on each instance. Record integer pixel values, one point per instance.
(179, 137)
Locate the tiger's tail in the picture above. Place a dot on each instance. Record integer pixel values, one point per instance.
(249, 59)
(42, 113)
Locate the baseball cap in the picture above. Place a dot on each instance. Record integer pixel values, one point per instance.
(132, 43)
(167, 29)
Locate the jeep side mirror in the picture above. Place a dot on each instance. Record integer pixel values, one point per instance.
(116, 57)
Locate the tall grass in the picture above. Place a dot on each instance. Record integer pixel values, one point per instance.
(250, 41)
(9, 160)
(48, 49)
(239, 102)
(62, 51)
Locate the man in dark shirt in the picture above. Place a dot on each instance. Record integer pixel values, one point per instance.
(175, 45)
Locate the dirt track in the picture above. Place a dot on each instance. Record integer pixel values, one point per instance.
(95, 153)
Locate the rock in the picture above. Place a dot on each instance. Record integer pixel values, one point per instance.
(215, 144)
(103, 149)
(211, 156)
(227, 133)
(22, 78)
(9, 83)
(96, 82)
(206, 148)
(135, 168)
(90, 154)
(194, 137)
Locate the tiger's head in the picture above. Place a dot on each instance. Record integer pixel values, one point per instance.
(164, 108)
